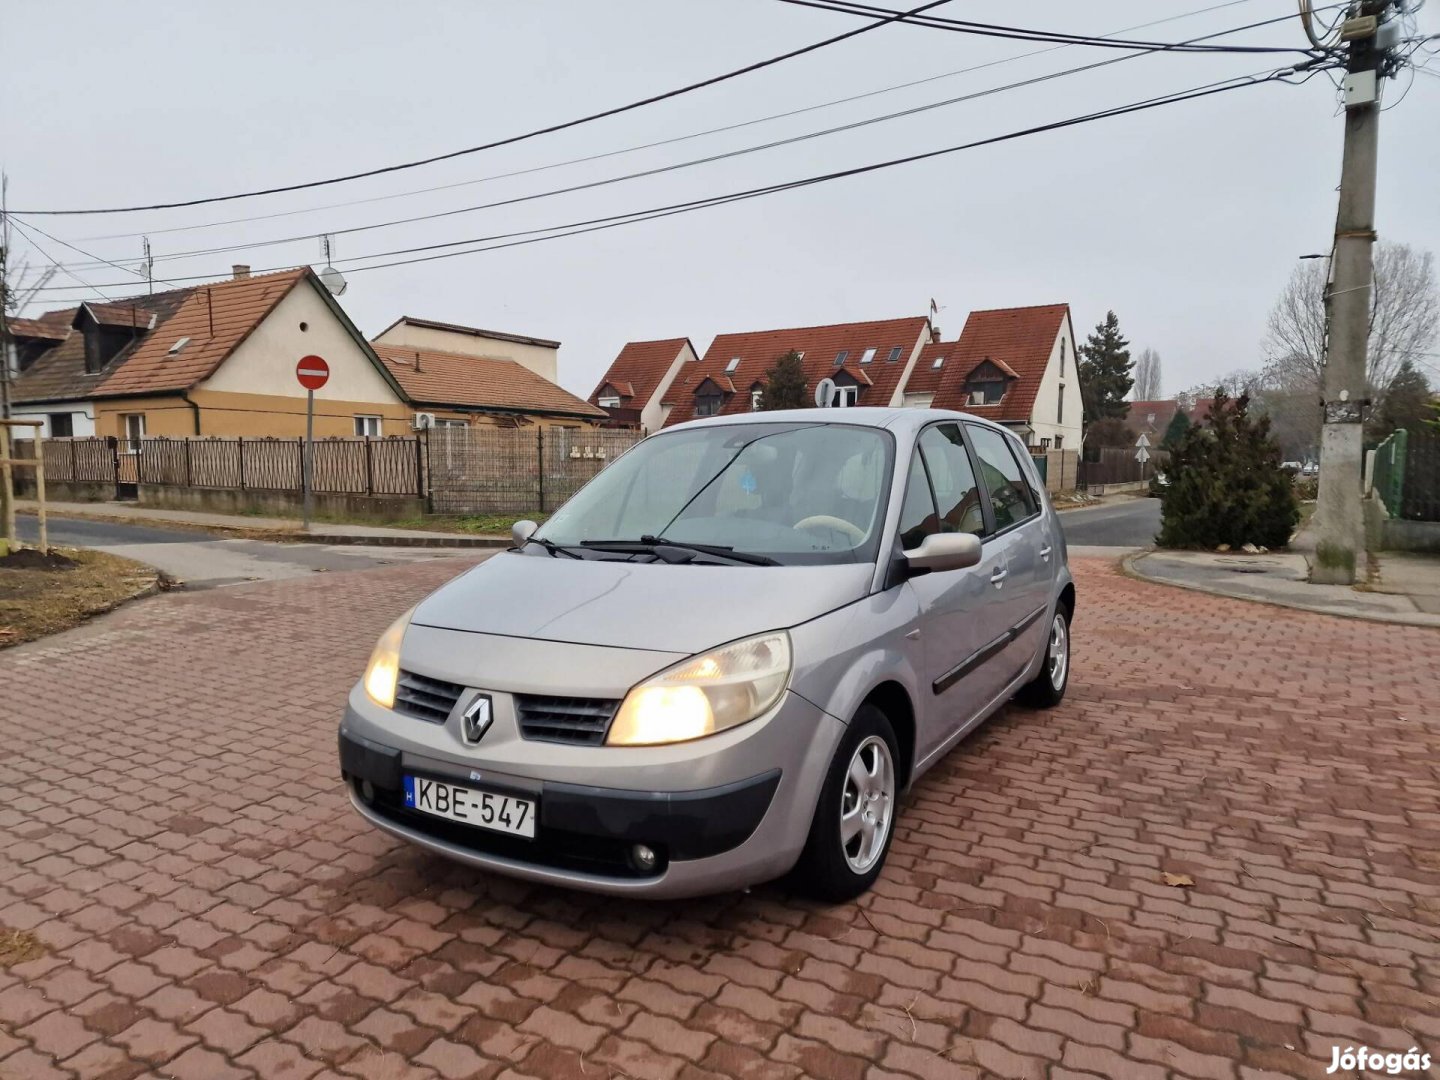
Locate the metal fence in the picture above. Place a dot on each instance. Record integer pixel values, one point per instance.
(1420, 500)
(512, 471)
(1388, 479)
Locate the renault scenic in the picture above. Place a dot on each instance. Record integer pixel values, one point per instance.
(724, 659)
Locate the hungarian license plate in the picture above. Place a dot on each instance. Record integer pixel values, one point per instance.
(483, 809)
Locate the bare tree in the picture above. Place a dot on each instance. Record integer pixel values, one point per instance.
(1147, 376)
(1404, 319)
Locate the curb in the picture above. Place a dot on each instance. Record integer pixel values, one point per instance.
(1128, 568)
(493, 542)
(285, 536)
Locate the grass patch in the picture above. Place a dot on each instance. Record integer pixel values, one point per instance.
(18, 946)
(484, 524)
(44, 595)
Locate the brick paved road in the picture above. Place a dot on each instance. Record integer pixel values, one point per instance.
(172, 828)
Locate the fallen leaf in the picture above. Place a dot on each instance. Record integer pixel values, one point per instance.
(1179, 881)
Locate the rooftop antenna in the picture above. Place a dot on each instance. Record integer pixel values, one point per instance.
(146, 267)
(331, 278)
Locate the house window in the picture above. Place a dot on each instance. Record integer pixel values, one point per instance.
(1062, 357)
(707, 405)
(939, 362)
(610, 402)
(756, 397)
(1060, 406)
(732, 365)
(60, 425)
(840, 357)
(895, 354)
(133, 424)
(845, 396)
(985, 391)
(367, 426)
(442, 422)
(1059, 441)
(1044, 444)
(867, 356)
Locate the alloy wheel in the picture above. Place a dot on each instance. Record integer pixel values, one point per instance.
(867, 804)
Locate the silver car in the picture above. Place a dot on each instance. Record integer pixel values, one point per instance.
(723, 659)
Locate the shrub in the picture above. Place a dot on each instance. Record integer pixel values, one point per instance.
(1226, 485)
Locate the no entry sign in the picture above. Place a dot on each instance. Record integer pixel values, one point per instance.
(313, 372)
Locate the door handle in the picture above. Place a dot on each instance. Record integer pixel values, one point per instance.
(998, 577)
(1045, 552)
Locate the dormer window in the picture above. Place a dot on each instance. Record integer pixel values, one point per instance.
(985, 385)
(610, 401)
(108, 329)
(707, 404)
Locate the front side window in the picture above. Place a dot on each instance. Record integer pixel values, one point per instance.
(957, 497)
(798, 493)
(1010, 494)
(367, 426)
(918, 518)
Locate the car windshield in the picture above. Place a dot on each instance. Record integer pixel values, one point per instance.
(795, 493)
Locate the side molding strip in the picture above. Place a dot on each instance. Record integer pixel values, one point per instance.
(987, 652)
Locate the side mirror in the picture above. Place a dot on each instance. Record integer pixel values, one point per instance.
(521, 531)
(944, 551)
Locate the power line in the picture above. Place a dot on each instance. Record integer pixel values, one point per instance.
(1016, 33)
(98, 261)
(598, 224)
(509, 140)
(743, 151)
(699, 134)
(46, 255)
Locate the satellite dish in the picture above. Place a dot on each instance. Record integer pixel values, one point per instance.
(333, 280)
(824, 393)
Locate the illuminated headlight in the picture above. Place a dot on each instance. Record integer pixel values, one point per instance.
(705, 694)
(383, 671)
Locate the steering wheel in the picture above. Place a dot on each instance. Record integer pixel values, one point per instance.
(827, 521)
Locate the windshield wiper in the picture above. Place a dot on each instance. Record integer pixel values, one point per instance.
(655, 543)
(555, 550)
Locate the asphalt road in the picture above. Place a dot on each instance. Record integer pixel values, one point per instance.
(201, 560)
(1131, 523)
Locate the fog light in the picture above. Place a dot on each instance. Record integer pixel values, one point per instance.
(644, 858)
(367, 791)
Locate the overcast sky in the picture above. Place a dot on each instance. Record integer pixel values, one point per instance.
(1185, 219)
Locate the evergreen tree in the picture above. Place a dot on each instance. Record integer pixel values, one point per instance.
(785, 384)
(1226, 485)
(1105, 368)
(1175, 431)
(1407, 403)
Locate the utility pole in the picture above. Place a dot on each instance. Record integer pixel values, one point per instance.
(1339, 517)
(5, 350)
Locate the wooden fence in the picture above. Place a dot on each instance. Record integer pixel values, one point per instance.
(461, 470)
(1117, 465)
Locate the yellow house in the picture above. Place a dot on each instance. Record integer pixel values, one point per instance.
(215, 359)
(219, 360)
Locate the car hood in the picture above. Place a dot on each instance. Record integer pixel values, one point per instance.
(655, 606)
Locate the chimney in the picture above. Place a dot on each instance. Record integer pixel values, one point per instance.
(934, 334)
(240, 271)
(417, 359)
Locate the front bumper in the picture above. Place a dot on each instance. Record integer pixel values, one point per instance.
(747, 828)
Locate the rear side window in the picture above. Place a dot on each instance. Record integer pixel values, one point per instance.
(917, 517)
(957, 498)
(1010, 495)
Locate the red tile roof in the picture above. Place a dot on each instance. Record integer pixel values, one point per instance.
(1140, 412)
(38, 329)
(1019, 340)
(476, 382)
(639, 369)
(474, 331)
(216, 318)
(757, 351)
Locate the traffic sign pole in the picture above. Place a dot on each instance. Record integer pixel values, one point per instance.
(312, 372)
(307, 462)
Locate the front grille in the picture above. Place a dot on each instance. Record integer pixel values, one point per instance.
(425, 698)
(564, 720)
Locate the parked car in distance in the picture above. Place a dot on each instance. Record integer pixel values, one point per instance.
(1311, 469)
(724, 659)
(1294, 468)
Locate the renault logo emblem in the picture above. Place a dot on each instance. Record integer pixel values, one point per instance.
(476, 720)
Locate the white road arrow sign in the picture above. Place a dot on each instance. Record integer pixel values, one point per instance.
(1142, 455)
(1143, 441)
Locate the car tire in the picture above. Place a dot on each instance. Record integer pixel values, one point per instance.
(1047, 689)
(833, 867)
